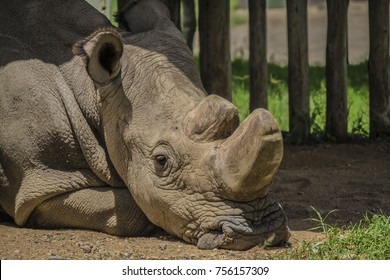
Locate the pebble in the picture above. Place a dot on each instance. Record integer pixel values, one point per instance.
(162, 246)
(56, 257)
(86, 248)
(127, 255)
(61, 237)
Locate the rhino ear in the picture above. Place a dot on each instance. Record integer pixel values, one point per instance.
(142, 15)
(101, 52)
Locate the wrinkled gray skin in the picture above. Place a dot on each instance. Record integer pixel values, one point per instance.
(112, 131)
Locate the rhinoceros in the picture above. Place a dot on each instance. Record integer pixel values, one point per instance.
(111, 130)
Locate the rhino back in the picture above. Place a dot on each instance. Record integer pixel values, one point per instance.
(40, 156)
(45, 30)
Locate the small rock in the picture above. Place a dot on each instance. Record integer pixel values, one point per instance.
(87, 249)
(17, 252)
(127, 255)
(56, 257)
(162, 246)
(61, 237)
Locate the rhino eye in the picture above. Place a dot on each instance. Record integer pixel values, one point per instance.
(161, 162)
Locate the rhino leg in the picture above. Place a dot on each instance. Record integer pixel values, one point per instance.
(105, 209)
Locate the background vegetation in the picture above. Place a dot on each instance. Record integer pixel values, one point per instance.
(358, 98)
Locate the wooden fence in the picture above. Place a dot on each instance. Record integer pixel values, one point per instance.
(216, 65)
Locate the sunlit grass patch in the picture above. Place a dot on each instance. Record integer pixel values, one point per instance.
(367, 240)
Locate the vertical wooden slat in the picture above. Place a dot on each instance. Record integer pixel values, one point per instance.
(298, 71)
(214, 39)
(189, 22)
(172, 5)
(174, 9)
(258, 67)
(175, 12)
(121, 4)
(336, 70)
(378, 68)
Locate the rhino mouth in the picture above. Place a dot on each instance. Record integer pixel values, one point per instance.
(212, 240)
(264, 226)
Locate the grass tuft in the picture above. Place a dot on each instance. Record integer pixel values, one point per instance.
(367, 240)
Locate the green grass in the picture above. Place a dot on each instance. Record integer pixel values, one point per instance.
(358, 98)
(237, 16)
(114, 10)
(367, 240)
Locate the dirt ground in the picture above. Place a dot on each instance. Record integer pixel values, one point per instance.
(352, 178)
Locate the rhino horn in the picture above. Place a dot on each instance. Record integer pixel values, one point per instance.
(214, 118)
(247, 161)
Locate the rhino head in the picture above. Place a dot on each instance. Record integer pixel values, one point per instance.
(188, 163)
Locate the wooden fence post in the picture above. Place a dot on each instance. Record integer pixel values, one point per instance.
(120, 5)
(189, 22)
(378, 68)
(214, 38)
(258, 67)
(172, 5)
(298, 71)
(336, 70)
(174, 9)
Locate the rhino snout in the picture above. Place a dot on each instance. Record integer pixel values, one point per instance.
(247, 160)
(265, 226)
